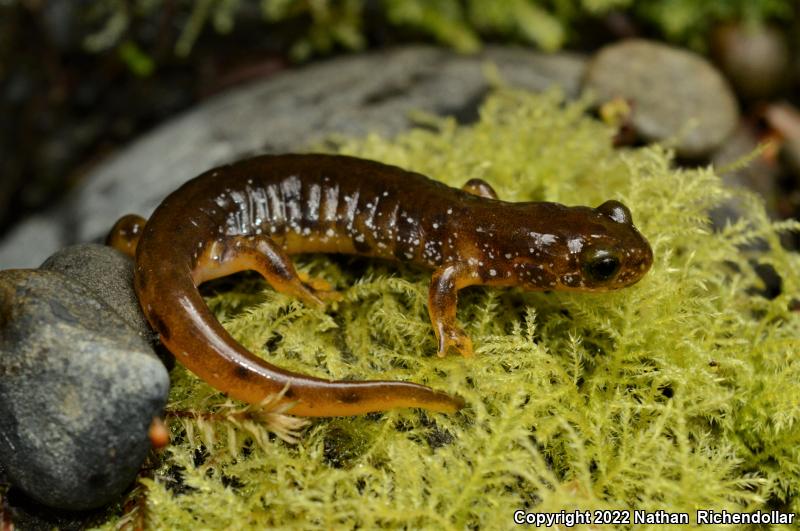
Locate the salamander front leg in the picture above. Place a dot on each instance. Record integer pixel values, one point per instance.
(442, 302)
(480, 188)
(260, 254)
(124, 235)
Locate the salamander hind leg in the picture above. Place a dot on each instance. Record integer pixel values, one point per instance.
(124, 235)
(260, 254)
(442, 302)
(480, 188)
(322, 288)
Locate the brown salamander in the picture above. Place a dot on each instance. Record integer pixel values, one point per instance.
(254, 214)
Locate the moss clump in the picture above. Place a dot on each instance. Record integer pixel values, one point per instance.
(681, 392)
(321, 26)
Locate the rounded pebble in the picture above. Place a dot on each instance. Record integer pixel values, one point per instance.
(109, 275)
(78, 391)
(784, 119)
(755, 58)
(676, 95)
(759, 175)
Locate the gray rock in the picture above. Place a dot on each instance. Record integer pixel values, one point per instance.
(785, 119)
(755, 57)
(109, 275)
(675, 94)
(757, 175)
(349, 95)
(32, 241)
(22, 512)
(78, 390)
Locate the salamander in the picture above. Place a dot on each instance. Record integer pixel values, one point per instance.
(256, 213)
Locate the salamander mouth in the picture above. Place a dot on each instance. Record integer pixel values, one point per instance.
(587, 289)
(577, 282)
(541, 278)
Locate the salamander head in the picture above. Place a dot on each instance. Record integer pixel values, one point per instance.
(590, 249)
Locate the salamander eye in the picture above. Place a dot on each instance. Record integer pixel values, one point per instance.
(601, 266)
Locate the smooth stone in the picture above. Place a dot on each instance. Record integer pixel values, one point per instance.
(109, 275)
(676, 95)
(755, 57)
(78, 391)
(758, 175)
(32, 241)
(352, 95)
(784, 118)
(22, 512)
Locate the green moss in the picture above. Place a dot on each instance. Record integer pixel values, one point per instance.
(322, 26)
(681, 392)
